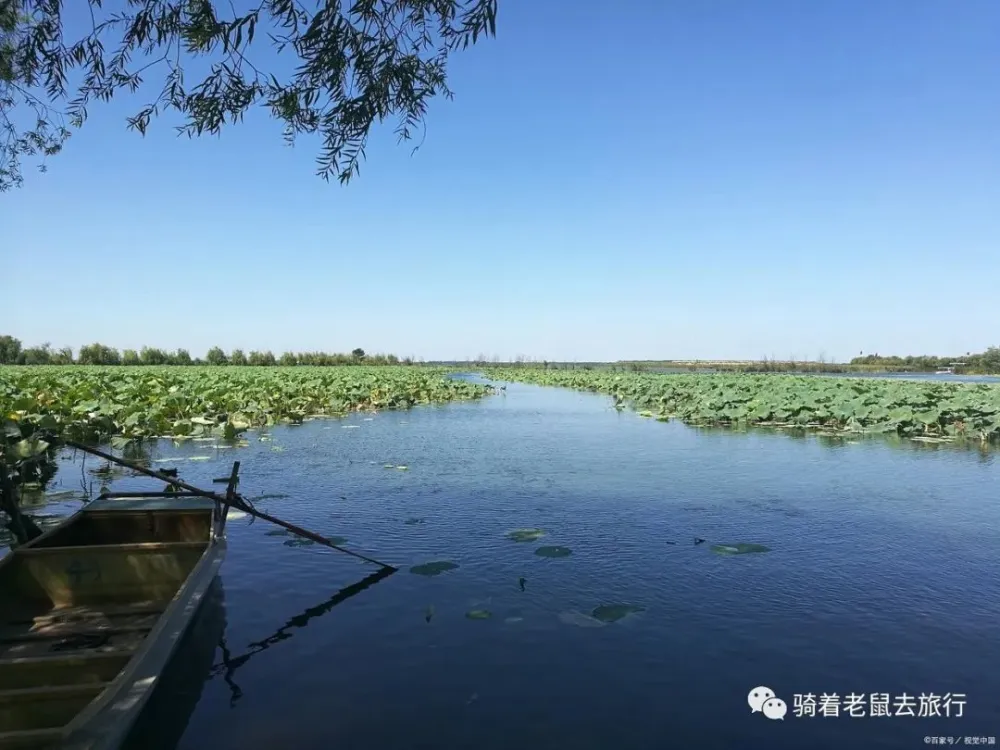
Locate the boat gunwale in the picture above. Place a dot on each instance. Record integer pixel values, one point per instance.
(103, 548)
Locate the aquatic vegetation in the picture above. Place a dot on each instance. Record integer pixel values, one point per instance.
(63, 495)
(278, 532)
(299, 542)
(525, 535)
(580, 620)
(739, 548)
(945, 411)
(433, 568)
(478, 614)
(98, 403)
(553, 551)
(615, 612)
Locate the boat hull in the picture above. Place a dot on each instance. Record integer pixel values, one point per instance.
(92, 613)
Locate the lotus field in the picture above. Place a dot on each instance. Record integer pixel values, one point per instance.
(921, 410)
(95, 403)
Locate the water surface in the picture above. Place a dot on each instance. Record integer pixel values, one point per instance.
(881, 579)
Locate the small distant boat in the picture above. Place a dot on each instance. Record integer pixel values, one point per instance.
(946, 371)
(92, 611)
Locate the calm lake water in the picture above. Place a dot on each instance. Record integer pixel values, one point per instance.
(882, 579)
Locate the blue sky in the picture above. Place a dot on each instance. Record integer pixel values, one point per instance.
(636, 180)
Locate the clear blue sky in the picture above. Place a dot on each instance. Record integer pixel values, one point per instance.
(633, 180)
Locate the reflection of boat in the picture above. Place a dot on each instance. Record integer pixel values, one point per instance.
(92, 611)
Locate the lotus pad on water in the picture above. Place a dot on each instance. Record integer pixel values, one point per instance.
(433, 568)
(525, 535)
(615, 612)
(580, 620)
(553, 551)
(739, 548)
(479, 614)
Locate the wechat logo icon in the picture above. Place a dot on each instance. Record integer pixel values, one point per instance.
(763, 700)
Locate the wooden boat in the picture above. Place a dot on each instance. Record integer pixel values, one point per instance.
(92, 611)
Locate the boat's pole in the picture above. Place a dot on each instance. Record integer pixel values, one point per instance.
(235, 501)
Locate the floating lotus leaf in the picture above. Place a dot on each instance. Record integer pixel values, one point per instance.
(580, 620)
(739, 548)
(615, 612)
(278, 532)
(402, 468)
(479, 614)
(338, 540)
(299, 542)
(525, 535)
(433, 568)
(553, 551)
(54, 497)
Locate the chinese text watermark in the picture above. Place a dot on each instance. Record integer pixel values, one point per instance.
(858, 705)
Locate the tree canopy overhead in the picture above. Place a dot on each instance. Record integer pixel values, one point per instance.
(350, 65)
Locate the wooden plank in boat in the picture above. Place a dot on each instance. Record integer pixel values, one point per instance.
(128, 527)
(83, 612)
(149, 504)
(31, 739)
(116, 643)
(62, 669)
(71, 576)
(44, 708)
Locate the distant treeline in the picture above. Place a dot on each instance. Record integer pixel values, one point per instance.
(13, 353)
(988, 361)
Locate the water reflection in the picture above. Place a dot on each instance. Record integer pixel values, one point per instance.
(229, 664)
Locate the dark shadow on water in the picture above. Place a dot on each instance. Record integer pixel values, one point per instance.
(229, 664)
(166, 715)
